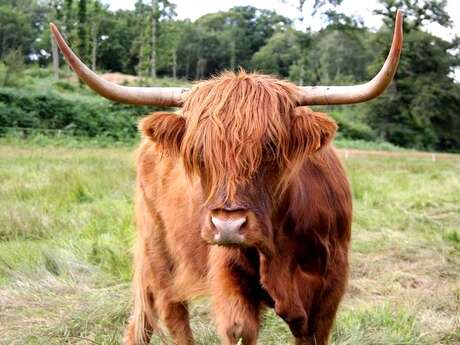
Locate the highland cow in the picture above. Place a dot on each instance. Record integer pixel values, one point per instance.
(240, 196)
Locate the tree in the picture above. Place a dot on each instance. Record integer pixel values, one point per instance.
(153, 68)
(95, 26)
(421, 107)
(338, 56)
(147, 40)
(229, 39)
(417, 13)
(118, 48)
(16, 32)
(55, 15)
(10, 69)
(279, 54)
(68, 17)
(316, 6)
(168, 44)
(82, 29)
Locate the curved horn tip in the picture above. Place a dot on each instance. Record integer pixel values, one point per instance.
(332, 95)
(399, 17)
(53, 27)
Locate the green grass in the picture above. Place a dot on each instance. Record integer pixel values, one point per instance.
(344, 143)
(55, 138)
(66, 234)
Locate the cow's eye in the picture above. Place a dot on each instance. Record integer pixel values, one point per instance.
(270, 151)
(201, 162)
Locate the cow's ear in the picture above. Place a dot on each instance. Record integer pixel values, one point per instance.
(310, 131)
(166, 129)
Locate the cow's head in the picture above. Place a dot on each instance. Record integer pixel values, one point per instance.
(244, 136)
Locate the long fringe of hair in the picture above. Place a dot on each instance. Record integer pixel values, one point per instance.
(234, 122)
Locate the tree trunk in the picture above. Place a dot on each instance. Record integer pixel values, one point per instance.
(55, 54)
(174, 64)
(2, 53)
(68, 18)
(94, 51)
(233, 55)
(153, 67)
(141, 51)
(200, 68)
(301, 73)
(187, 63)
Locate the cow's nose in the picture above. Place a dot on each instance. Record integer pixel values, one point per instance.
(228, 230)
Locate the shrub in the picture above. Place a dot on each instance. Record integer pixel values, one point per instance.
(11, 69)
(85, 116)
(351, 127)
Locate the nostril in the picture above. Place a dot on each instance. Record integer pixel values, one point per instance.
(228, 225)
(233, 209)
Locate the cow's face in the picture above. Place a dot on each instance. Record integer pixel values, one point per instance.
(244, 137)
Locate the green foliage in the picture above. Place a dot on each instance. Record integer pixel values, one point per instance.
(417, 12)
(351, 126)
(11, 69)
(421, 108)
(82, 31)
(15, 30)
(337, 57)
(226, 40)
(50, 111)
(279, 54)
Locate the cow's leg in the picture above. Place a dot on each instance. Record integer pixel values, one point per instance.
(176, 318)
(322, 319)
(143, 321)
(153, 300)
(152, 283)
(278, 277)
(234, 291)
(141, 327)
(170, 309)
(324, 308)
(323, 314)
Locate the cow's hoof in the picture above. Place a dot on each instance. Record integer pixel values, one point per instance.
(235, 332)
(299, 327)
(297, 321)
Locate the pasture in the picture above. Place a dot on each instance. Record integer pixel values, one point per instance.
(66, 234)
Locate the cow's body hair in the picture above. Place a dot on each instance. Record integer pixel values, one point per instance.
(302, 272)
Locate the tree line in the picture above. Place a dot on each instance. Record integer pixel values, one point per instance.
(421, 109)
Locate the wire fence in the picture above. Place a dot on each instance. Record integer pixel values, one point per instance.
(34, 130)
(433, 156)
(344, 153)
(24, 132)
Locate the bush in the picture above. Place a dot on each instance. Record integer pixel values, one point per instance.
(11, 69)
(64, 85)
(37, 72)
(85, 116)
(351, 127)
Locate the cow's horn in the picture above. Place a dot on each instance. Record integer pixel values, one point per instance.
(162, 96)
(324, 95)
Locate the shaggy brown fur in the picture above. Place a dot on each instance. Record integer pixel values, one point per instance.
(240, 148)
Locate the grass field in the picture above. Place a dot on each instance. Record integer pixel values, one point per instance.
(66, 233)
